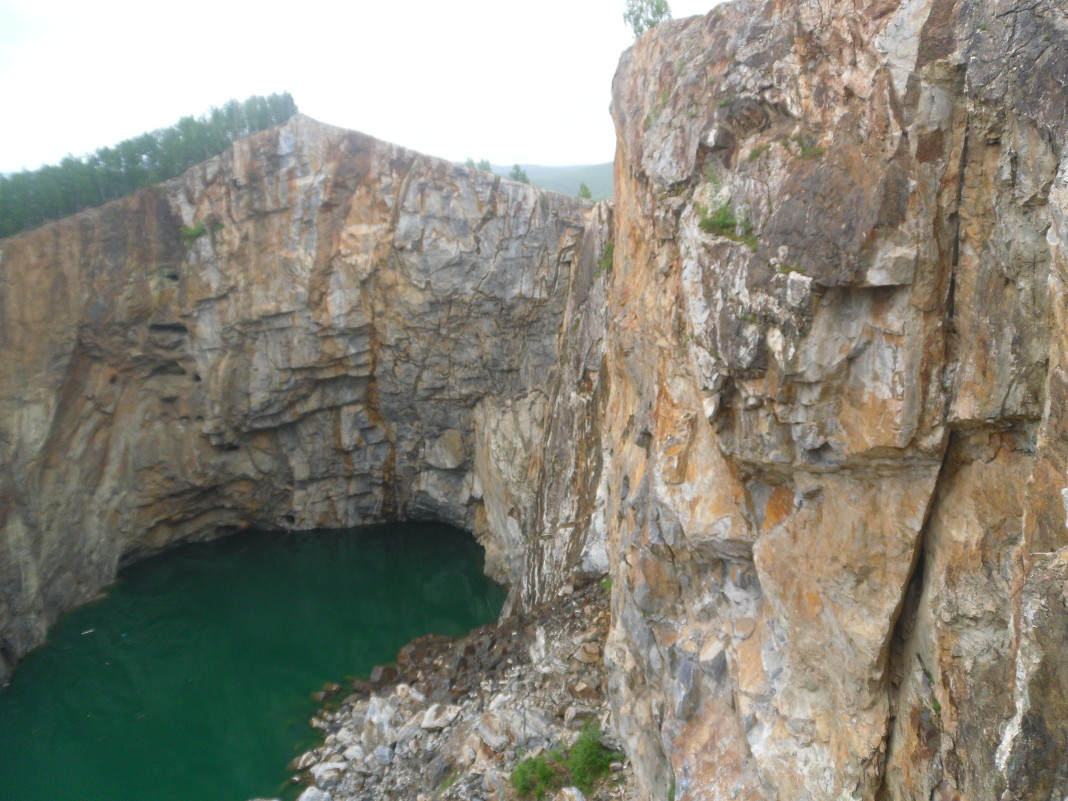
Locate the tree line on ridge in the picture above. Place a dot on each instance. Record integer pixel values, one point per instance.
(31, 197)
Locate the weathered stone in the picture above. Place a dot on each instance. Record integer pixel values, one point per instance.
(438, 716)
(303, 762)
(491, 729)
(588, 654)
(354, 753)
(326, 774)
(584, 692)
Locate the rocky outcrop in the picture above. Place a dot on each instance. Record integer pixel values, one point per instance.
(811, 417)
(314, 329)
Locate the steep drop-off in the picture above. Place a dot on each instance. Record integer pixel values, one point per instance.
(813, 419)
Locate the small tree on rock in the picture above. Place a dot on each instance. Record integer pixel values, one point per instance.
(584, 192)
(641, 15)
(519, 174)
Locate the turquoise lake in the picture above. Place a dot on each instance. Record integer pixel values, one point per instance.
(191, 679)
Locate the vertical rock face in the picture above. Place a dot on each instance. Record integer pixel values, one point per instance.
(833, 430)
(812, 417)
(303, 332)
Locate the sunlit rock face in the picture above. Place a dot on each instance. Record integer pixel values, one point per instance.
(834, 427)
(299, 333)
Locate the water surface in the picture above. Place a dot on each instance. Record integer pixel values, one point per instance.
(191, 680)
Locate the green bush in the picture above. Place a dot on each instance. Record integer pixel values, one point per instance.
(535, 777)
(589, 760)
(582, 766)
(721, 222)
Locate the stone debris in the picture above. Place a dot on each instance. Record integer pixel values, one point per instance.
(453, 717)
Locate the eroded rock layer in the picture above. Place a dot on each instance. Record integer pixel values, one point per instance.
(812, 417)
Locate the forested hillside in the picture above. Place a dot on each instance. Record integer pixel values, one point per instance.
(30, 197)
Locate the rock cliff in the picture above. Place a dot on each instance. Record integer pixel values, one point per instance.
(834, 382)
(812, 417)
(315, 329)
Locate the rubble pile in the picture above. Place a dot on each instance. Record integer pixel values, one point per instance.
(452, 717)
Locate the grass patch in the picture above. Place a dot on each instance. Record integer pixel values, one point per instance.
(757, 152)
(450, 780)
(723, 222)
(808, 151)
(581, 766)
(191, 234)
(605, 263)
(606, 584)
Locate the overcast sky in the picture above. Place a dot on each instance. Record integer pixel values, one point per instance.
(510, 82)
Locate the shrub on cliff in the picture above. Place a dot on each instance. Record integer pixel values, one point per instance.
(581, 766)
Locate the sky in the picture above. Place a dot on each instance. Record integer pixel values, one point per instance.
(526, 83)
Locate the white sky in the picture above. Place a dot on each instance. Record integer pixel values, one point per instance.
(525, 83)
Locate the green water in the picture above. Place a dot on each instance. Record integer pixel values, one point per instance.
(191, 680)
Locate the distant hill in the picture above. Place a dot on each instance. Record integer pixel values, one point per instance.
(566, 180)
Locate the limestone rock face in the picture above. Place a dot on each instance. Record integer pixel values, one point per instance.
(302, 332)
(834, 402)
